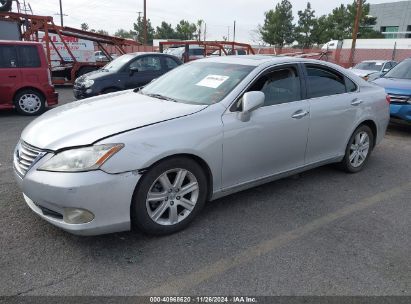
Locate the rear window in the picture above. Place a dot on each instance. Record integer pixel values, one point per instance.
(28, 56)
(8, 56)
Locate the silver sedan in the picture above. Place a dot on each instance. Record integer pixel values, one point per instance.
(151, 158)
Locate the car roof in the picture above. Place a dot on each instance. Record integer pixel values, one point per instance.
(256, 60)
(378, 61)
(16, 42)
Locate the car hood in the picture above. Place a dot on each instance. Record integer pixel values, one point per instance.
(394, 85)
(85, 122)
(362, 73)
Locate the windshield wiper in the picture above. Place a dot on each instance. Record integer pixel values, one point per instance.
(159, 96)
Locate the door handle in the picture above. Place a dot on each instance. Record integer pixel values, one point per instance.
(12, 76)
(300, 114)
(356, 102)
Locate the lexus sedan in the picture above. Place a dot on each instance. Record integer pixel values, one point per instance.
(151, 158)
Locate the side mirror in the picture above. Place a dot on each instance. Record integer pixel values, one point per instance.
(133, 70)
(251, 102)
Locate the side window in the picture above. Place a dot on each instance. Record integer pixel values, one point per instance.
(147, 63)
(170, 63)
(28, 56)
(280, 86)
(351, 86)
(324, 82)
(8, 57)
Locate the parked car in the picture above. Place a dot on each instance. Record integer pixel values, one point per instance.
(373, 68)
(25, 81)
(194, 53)
(152, 157)
(397, 84)
(126, 72)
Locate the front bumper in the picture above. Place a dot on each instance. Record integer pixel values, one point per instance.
(107, 196)
(401, 111)
(81, 93)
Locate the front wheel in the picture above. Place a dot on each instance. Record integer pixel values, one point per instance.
(169, 196)
(358, 150)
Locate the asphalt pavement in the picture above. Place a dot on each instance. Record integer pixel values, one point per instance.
(323, 232)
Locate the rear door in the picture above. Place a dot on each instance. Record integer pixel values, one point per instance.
(30, 65)
(10, 75)
(335, 106)
(146, 68)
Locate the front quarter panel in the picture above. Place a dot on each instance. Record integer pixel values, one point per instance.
(199, 134)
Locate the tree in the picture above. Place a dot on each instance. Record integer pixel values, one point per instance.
(84, 26)
(102, 32)
(186, 30)
(139, 29)
(278, 25)
(199, 29)
(321, 31)
(306, 22)
(122, 33)
(165, 31)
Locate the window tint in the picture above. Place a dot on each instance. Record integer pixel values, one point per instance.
(28, 56)
(196, 52)
(280, 86)
(147, 63)
(324, 82)
(351, 86)
(8, 56)
(170, 63)
(388, 65)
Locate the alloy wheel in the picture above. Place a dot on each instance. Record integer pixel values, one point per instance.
(359, 149)
(172, 197)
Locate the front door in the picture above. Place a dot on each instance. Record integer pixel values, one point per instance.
(143, 70)
(274, 139)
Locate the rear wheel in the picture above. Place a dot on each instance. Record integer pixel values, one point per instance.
(358, 150)
(30, 102)
(169, 196)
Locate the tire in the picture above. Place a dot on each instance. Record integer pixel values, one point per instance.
(166, 211)
(30, 102)
(356, 150)
(5, 5)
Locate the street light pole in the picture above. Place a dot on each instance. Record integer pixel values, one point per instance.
(355, 31)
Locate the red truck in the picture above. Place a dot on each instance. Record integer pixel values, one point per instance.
(25, 80)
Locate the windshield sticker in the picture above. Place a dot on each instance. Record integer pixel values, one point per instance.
(212, 81)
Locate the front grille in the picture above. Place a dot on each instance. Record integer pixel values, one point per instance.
(25, 157)
(400, 98)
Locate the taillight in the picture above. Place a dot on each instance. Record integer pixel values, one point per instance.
(388, 98)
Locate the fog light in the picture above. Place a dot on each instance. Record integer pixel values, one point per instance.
(77, 216)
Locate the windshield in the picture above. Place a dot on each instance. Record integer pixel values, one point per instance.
(402, 70)
(118, 63)
(369, 66)
(199, 82)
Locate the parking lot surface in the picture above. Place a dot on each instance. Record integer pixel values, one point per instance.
(323, 232)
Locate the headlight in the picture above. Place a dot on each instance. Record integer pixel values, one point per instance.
(88, 83)
(81, 159)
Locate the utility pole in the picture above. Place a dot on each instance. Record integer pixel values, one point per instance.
(145, 21)
(355, 31)
(234, 32)
(205, 31)
(61, 13)
(228, 33)
(139, 14)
